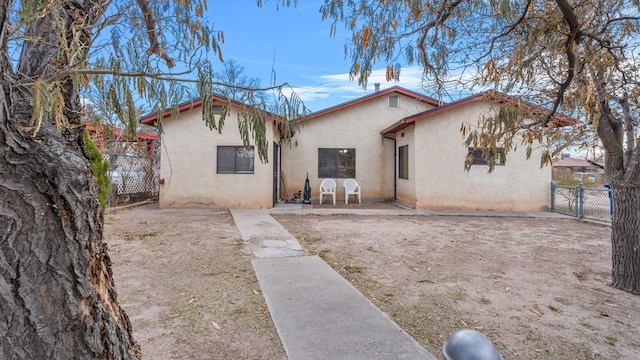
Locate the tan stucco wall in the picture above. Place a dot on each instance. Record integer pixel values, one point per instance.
(188, 167)
(358, 126)
(406, 188)
(442, 182)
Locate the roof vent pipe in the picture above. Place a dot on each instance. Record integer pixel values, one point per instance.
(377, 85)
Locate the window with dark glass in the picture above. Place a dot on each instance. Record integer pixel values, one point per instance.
(403, 162)
(478, 159)
(336, 163)
(235, 160)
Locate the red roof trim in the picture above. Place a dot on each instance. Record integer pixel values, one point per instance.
(397, 126)
(190, 105)
(393, 89)
(560, 120)
(117, 131)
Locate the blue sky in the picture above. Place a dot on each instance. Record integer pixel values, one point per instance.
(295, 43)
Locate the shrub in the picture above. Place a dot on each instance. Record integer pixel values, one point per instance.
(100, 167)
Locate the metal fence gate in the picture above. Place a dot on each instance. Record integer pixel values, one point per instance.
(584, 203)
(134, 178)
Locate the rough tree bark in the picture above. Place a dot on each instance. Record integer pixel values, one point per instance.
(57, 296)
(623, 172)
(625, 238)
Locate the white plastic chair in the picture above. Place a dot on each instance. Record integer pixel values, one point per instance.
(351, 187)
(328, 187)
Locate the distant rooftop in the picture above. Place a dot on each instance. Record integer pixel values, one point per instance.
(571, 162)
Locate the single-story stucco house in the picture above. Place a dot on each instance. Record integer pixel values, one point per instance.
(398, 144)
(200, 167)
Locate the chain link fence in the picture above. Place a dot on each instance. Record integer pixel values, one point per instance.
(134, 178)
(584, 203)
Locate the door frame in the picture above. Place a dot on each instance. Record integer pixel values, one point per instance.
(276, 171)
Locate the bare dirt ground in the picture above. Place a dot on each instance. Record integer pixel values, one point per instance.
(537, 287)
(187, 286)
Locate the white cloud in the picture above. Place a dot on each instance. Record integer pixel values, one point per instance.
(333, 89)
(329, 90)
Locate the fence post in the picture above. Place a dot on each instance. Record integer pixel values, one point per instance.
(610, 198)
(553, 196)
(580, 201)
(577, 201)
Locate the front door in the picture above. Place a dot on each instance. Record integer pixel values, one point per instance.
(276, 157)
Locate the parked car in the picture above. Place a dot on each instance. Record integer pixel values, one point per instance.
(129, 179)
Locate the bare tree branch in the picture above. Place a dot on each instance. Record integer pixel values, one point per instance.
(629, 129)
(443, 13)
(573, 38)
(509, 29)
(154, 45)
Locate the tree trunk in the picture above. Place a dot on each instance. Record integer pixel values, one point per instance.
(625, 238)
(57, 296)
(623, 172)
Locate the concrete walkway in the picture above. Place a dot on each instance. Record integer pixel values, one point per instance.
(316, 312)
(263, 235)
(320, 315)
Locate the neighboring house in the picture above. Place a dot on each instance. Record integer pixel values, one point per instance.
(133, 169)
(201, 168)
(398, 144)
(568, 166)
(101, 134)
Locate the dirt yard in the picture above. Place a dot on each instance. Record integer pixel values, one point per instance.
(536, 287)
(187, 286)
